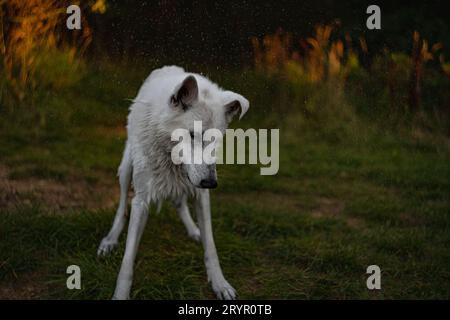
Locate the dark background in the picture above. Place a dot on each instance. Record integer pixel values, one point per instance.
(219, 32)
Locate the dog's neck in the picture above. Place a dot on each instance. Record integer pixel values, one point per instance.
(168, 179)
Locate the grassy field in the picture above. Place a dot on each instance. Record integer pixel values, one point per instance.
(349, 194)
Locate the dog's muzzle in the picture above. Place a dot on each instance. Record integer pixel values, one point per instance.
(208, 183)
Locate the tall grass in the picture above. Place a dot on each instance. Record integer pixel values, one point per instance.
(329, 78)
(39, 56)
(393, 87)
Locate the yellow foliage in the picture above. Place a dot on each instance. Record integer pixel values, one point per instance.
(446, 68)
(99, 6)
(321, 57)
(273, 52)
(33, 27)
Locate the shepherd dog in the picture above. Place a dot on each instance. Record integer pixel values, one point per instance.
(169, 99)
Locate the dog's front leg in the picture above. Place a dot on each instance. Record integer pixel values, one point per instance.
(138, 219)
(220, 286)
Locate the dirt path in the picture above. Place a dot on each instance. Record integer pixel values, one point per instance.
(57, 196)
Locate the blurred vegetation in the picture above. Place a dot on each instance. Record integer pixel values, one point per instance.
(38, 56)
(396, 88)
(399, 89)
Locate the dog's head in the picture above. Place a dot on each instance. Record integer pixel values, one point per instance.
(215, 108)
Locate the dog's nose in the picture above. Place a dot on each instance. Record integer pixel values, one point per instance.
(208, 183)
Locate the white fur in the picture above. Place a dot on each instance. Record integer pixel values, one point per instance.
(146, 162)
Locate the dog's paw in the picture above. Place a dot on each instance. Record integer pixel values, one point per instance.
(195, 235)
(106, 247)
(223, 290)
(120, 298)
(123, 288)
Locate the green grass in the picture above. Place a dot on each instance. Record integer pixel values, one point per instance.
(346, 197)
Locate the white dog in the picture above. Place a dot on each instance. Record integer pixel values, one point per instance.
(169, 99)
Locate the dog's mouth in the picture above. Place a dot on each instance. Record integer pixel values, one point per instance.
(208, 184)
(204, 183)
(189, 179)
(186, 175)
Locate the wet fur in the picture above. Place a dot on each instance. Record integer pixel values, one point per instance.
(146, 162)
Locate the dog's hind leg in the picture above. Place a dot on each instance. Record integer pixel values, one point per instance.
(183, 212)
(125, 169)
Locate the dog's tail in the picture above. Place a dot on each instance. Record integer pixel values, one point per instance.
(124, 172)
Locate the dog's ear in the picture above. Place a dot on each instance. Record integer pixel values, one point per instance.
(186, 93)
(236, 104)
(231, 109)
